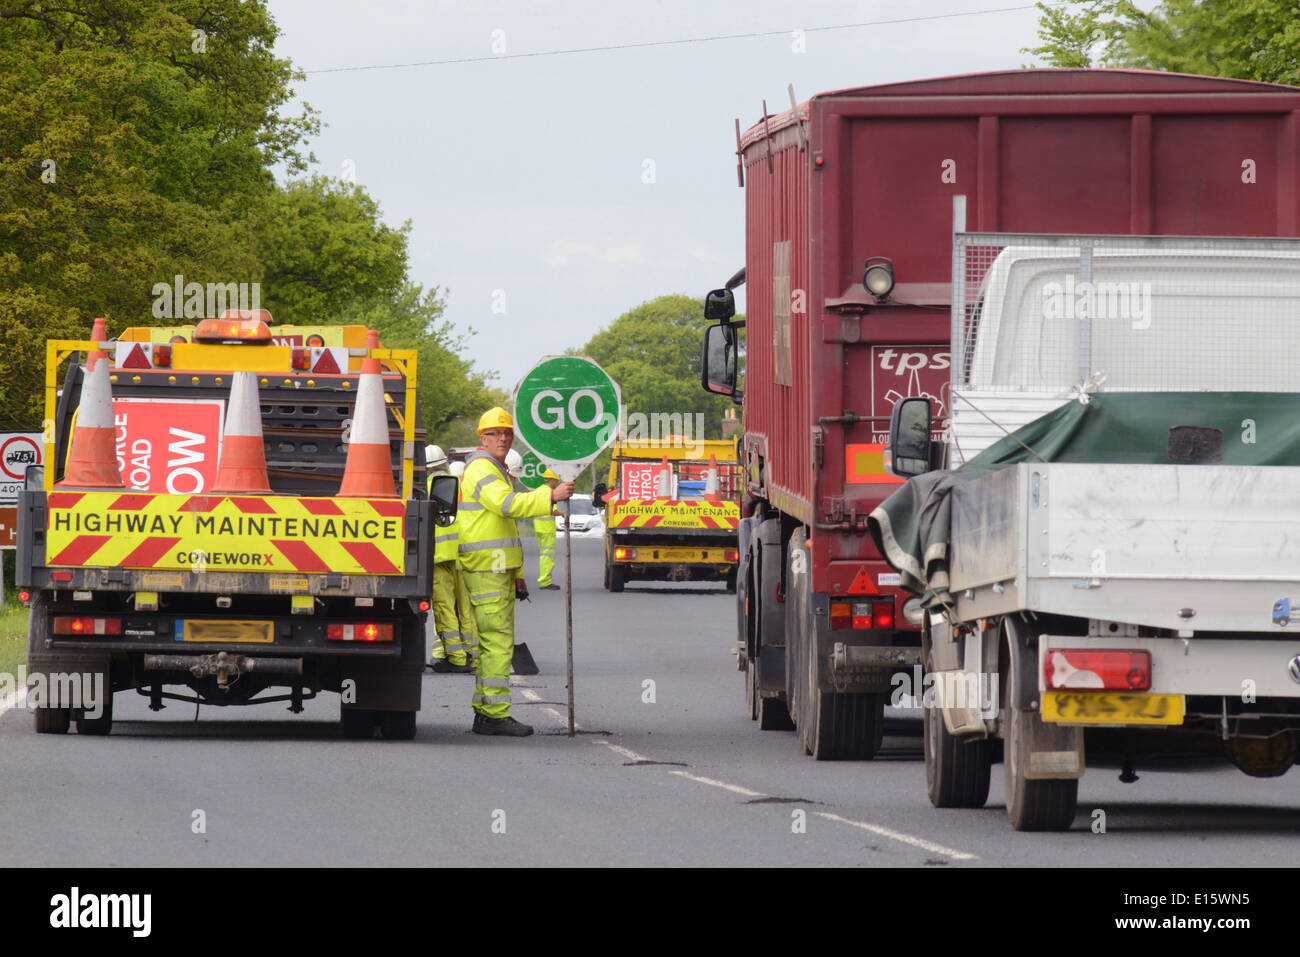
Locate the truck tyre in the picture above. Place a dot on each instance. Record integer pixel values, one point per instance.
(957, 772)
(616, 578)
(832, 726)
(606, 582)
(770, 713)
(397, 725)
(358, 723)
(1031, 805)
(46, 720)
(104, 723)
(52, 720)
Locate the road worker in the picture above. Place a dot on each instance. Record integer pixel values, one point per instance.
(456, 638)
(545, 528)
(492, 558)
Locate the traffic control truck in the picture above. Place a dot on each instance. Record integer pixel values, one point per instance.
(1109, 571)
(848, 257)
(673, 513)
(230, 516)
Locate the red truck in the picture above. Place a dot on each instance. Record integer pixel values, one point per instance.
(848, 249)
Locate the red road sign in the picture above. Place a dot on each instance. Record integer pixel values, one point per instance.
(168, 445)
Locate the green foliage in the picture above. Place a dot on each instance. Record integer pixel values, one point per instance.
(452, 394)
(1245, 39)
(653, 352)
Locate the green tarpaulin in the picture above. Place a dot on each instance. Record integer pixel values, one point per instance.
(1231, 428)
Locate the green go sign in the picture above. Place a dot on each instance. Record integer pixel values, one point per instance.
(534, 469)
(566, 410)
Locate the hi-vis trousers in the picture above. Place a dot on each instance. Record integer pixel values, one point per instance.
(453, 615)
(493, 597)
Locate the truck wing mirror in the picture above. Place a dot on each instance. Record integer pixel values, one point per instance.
(598, 493)
(719, 305)
(718, 365)
(909, 437)
(444, 495)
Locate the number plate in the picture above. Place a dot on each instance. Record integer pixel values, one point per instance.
(1112, 707)
(226, 632)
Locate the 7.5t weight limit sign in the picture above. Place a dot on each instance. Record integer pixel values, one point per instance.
(566, 409)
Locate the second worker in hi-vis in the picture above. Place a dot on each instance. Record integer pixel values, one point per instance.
(492, 558)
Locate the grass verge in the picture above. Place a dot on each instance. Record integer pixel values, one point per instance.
(13, 637)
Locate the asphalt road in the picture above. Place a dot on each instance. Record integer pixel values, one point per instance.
(666, 770)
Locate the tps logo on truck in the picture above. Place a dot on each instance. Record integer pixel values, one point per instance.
(904, 372)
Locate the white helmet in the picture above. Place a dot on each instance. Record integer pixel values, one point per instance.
(435, 457)
(515, 464)
(457, 469)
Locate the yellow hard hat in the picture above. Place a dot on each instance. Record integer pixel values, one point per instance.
(495, 418)
(548, 474)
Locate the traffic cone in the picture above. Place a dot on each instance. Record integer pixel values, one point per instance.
(665, 489)
(711, 480)
(92, 457)
(243, 457)
(369, 469)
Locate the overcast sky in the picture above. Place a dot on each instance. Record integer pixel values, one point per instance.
(525, 179)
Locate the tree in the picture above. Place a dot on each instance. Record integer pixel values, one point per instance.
(653, 352)
(1245, 39)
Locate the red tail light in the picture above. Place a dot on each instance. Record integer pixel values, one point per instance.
(162, 356)
(731, 555)
(424, 606)
(863, 614)
(301, 359)
(64, 625)
(882, 614)
(367, 631)
(24, 596)
(1097, 670)
(61, 576)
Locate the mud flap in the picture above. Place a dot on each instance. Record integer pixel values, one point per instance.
(1050, 751)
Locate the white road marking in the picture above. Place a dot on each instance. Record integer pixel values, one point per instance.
(900, 836)
(721, 784)
(619, 749)
(530, 694)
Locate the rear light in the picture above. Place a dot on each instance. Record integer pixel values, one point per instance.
(301, 359)
(24, 596)
(624, 553)
(1097, 670)
(731, 555)
(61, 576)
(862, 614)
(65, 625)
(369, 631)
(162, 356)
(424, 606)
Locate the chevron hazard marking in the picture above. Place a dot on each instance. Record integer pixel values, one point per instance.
(226, 533)
(668, 513)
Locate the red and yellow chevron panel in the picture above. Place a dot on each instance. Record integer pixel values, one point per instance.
(666, 513)
(226, 533)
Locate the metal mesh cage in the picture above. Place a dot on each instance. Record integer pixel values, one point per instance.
(1037, 318)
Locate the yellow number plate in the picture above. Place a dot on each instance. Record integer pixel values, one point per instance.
(261, 632)
(1112, 707)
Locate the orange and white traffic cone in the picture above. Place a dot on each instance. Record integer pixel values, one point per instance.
(665, 488)
(369, 469)
(243, 455)
(92, 457)
(711, 480)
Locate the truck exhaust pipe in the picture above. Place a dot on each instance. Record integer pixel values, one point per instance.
(223, 665)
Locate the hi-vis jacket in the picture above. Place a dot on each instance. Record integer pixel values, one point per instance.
(489, 505)
(446, 541)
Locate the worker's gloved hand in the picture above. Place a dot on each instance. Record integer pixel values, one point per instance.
(521, 590)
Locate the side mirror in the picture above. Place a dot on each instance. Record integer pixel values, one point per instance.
(718, 364)
(445, 496)
(34, 478)
(598, 493)
(719, 305)
(909, 437)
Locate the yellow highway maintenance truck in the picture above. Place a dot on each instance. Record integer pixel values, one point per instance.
(234, 511)
(672, 510)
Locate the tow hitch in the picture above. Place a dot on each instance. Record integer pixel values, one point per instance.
(223, 665)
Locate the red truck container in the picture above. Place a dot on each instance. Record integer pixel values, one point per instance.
(866, 177)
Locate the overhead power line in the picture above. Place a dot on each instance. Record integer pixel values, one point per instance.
(669, 43)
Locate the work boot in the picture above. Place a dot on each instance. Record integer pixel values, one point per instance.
(442, 666)
(507, 726)
(464, 668)
(550, 587)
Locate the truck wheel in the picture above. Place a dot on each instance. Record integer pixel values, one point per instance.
(101, 725)
(606, 582)
(832, 726)
(616, 578)
(397, 725)
(957, 772)
(773, 715)
(1031, 805)
(358, 723)
(52, 720)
